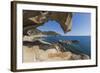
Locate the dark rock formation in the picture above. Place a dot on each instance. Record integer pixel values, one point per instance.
(63, 18)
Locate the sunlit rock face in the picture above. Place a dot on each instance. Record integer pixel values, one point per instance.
(35, 54)
(36, 49)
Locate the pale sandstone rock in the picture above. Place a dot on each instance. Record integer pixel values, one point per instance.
(32, 54)
(84, 56)
(67, 55)
(28, 54)
(76, 57)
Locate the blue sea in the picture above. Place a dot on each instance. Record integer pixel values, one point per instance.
(84, 42)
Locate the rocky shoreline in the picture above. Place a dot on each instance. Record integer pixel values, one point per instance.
(36, 49)
(41, 51)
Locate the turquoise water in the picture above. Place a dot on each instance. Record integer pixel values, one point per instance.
(83, 46)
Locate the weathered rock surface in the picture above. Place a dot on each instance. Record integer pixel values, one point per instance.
(34, 53)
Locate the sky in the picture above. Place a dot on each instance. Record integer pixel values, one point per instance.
(81, 25)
